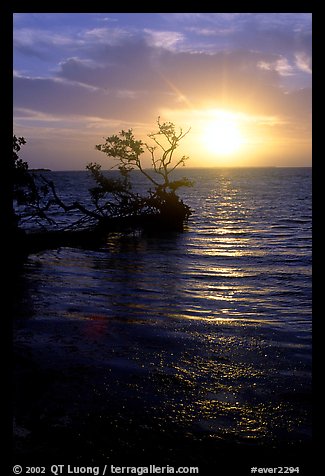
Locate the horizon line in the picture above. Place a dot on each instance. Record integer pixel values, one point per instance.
(41, 169)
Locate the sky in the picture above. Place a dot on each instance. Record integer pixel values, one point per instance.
(241, 82)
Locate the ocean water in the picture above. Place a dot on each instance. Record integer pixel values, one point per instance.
(203, 335)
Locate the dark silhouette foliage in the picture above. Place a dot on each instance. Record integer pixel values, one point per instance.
(161, 202)
(26, 190)
(30, 192)
(113, 200)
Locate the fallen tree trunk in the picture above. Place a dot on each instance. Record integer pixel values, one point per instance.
(93, 237)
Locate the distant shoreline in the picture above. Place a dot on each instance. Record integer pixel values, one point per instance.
(266, 167)
(44, 170)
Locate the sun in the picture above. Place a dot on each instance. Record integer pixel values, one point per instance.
(222, 136)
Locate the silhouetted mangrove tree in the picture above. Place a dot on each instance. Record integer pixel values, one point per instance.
(114, 204)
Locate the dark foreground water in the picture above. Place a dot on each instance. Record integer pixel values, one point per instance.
(179, 347)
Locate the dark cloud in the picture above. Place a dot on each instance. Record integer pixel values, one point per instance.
(132, 80)
(69, 99)
(222, 78)
(127, 66)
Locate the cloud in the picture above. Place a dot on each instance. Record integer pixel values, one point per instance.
(132, 77)
(39, 42)
(105, 35)
(164, 39)
(126, 66)
(107, 19)
(85, 43)
(280, 65)
(212, 32)
(100, 77)
(69, 98)
(303, 62)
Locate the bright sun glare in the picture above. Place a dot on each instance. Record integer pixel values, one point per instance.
(222, 135)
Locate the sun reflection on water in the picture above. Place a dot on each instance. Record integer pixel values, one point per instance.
(209, 328)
